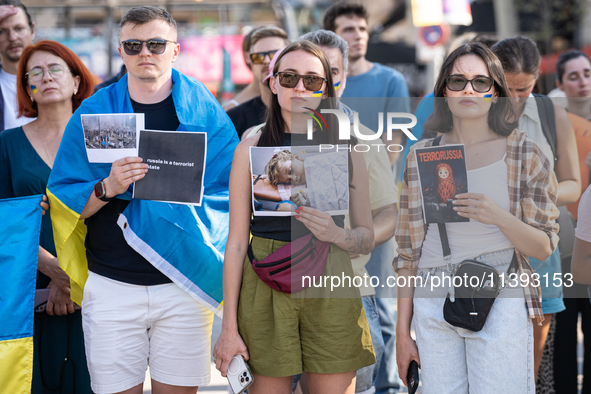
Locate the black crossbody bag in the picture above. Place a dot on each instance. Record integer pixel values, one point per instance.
(468, 305)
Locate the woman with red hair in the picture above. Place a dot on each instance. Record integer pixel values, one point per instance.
(51, 84)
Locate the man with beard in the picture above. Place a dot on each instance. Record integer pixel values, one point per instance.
(17, 31)
(264, 43)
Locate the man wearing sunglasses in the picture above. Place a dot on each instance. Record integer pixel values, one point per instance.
(17, 31)
(154, 269)
(264, 44)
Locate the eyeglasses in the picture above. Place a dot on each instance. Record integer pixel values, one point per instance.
(36, 73)
(259, 57)
(457, 83)
(156, 46)
(290, 80)
(18, 32)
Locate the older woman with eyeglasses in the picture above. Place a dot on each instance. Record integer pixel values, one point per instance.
(51, 84)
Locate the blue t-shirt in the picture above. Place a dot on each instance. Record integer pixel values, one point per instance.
(380, 81)
(423, 111)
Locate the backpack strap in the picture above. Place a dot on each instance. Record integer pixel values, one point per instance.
(548, 119)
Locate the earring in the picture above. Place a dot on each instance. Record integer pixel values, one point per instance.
(32, 99)
(75, 91)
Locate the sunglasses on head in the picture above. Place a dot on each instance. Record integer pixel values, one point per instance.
(156, 46)
(457, 83)
(259, 57)
(290, 80)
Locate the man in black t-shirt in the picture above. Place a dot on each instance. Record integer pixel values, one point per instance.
(135, 314)
(264, 43)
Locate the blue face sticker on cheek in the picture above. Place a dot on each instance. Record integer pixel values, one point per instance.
(487, 98)
(34, 89)
(337, 85)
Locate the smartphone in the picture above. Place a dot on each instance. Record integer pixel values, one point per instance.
(412, 377)
(239, 375)
(41, 297)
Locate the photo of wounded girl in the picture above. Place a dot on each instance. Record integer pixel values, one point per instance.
(285, 178)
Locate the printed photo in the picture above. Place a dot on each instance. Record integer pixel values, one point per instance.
(442, 173)
(285, 178)
(109, 137)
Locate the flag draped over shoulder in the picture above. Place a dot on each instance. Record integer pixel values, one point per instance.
(18, 272)
(184, 242)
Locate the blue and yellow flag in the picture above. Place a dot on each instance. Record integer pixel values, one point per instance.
(184, 242)
(18, 271)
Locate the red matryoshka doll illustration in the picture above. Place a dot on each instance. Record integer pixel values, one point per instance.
(446, 186)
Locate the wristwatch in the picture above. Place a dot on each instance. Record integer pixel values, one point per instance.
(100, 191)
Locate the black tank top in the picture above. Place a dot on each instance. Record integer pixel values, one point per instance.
(286, 228)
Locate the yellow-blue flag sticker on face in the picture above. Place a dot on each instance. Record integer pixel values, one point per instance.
(487, 98)
(337, 85)
(18, 273)
(34, 89)
(317, 93)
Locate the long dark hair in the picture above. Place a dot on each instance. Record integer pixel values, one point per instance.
(501, 117)
(273, 132)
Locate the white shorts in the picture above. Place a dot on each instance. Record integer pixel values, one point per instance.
(126, 327)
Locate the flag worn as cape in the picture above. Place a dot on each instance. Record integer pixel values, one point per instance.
(184, 242)
(19, 255)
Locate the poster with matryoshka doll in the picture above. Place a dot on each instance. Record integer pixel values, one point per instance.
(443, 175)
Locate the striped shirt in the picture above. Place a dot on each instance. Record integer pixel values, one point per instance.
(533, 190)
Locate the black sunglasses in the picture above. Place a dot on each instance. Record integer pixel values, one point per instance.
(156, 46)
(259, 57)
(457, 83)
(290, 80)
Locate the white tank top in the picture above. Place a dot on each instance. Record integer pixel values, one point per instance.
(470, 239)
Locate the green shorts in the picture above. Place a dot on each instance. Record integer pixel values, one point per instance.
(286, 335)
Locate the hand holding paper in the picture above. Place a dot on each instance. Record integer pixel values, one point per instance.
(123, 173)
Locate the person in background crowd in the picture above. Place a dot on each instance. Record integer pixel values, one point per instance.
(284, 334)
(264, 44)
(365, 78)
(17, 31)
(370, 79)
(52, 82)
(521, 61)
(253, 89)
(112, 80)
(573, 77)
(141, 306)
(506, 223)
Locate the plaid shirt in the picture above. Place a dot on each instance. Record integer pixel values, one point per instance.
(532, 190)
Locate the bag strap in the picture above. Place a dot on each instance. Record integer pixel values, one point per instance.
(548, 119)
(513, 267)
(250, 253)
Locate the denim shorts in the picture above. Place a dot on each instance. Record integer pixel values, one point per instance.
(497, 359)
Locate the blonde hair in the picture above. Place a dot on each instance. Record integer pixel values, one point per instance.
(272, 167)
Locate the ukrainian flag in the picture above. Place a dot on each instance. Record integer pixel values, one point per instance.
(18, 271)
(184, 242)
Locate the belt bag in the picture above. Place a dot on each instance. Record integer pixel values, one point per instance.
(283, 269)
(468, 304)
